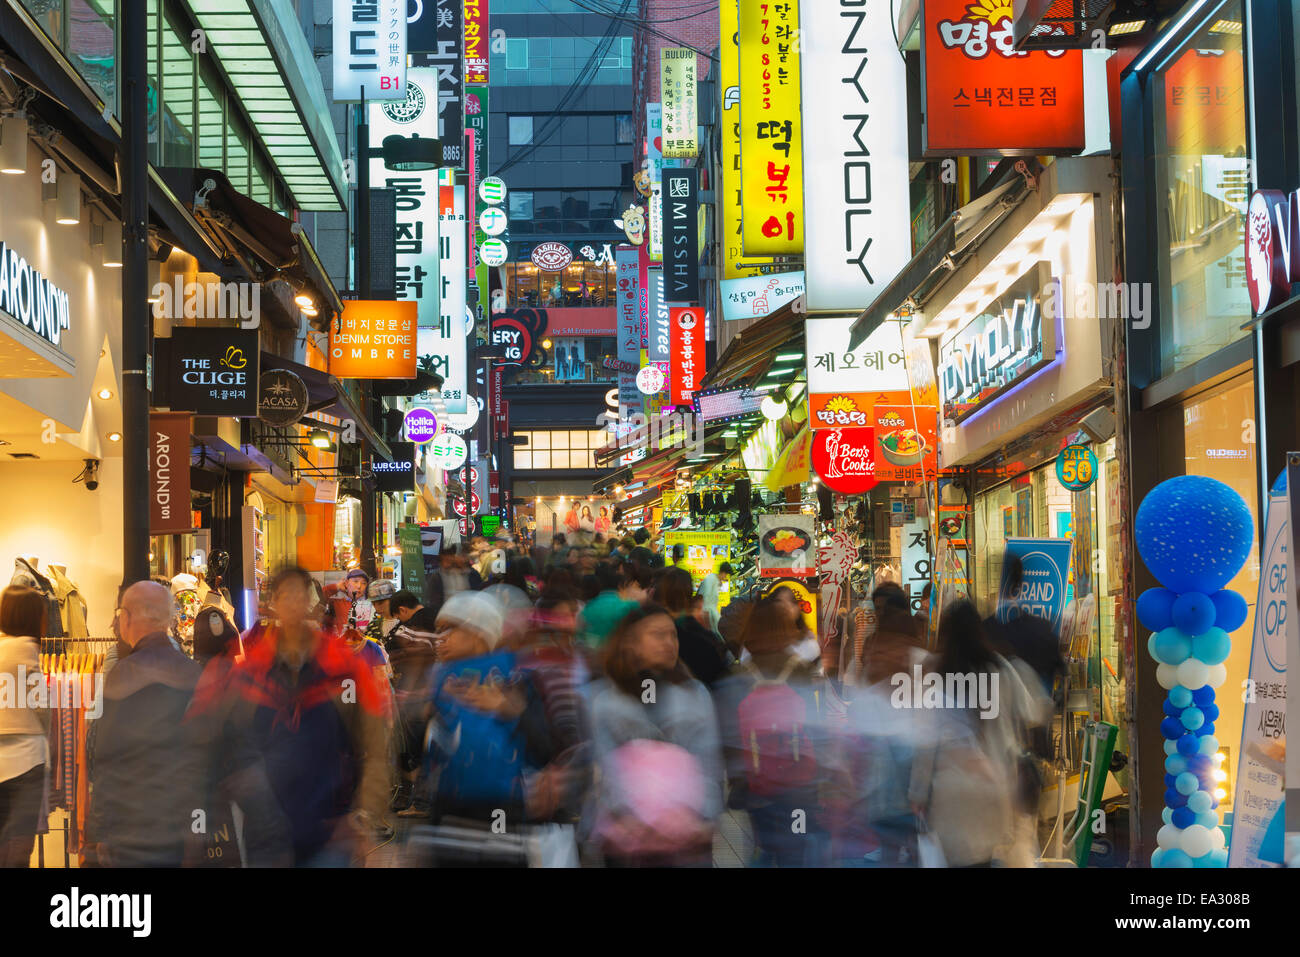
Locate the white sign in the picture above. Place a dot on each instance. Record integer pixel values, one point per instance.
(452, 240)
(492, 191)
(30, 298)
(447, 451)
(753, 297)
(650, 380)
(857, 234)
(876, 365)
(493, 221)
(370, 51)
(1258, 779)
(327, 490)
(493, 252)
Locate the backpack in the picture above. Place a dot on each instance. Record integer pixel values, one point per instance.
(774, 737)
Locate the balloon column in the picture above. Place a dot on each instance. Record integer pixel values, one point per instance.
(1194, 534)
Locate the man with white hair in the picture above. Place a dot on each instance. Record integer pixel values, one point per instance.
(145, 762)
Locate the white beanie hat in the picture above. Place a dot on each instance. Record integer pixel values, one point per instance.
(475, 610)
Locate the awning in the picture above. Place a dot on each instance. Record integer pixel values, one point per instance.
(642, 499)
(264, 52)
(243, 227)
(325, 394)
(752, 351)
(951, 244)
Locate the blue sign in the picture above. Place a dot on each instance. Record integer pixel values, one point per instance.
(1046, 564)
(1076, 467)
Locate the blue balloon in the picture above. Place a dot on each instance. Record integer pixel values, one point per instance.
(1205, 860)
(1183, 817)
(1170, 647)
(1203, 695)
(1167, 815)
(1155, 608)
(1212, 647)
(1211, 712)
(1200, 802)
(1186, 744)
(1194, 533)
(1157, 855)
(1174, 799)
(1176, 764)
(1180, 696)
(1205, 729)
(1193, 613)
(1186, 783)
(1198, 763)
(1208, 819)
(1230, 609)
(1175, 857)
(1192, 718)
(1169, 780)
(1220, 857)
(1172, 728)
(1172, 709)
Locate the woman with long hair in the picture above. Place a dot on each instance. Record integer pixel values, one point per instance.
(655, 740)
(701, 649)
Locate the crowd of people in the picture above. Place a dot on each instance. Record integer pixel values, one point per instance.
(572, 705)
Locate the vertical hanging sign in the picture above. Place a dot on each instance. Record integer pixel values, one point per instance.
(686, 326)
(627, 272)
(855, 186)
(771, 140)
(681, 228)
(677, 84)
(169, 473)
(476, 41)
(369, 50)
(445, 57)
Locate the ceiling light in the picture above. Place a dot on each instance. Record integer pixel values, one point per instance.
(13, 145)
(1122, 29)
(113, 244)
(1231, 27)
(67, 199)
(788, 357)
(773, 409)
(105, 393)
(115, 436)
(546, 343)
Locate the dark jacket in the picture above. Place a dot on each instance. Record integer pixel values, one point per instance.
(146, 768)
(701, 650)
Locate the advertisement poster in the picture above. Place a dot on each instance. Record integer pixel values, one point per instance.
(786, 548)
(408, 538)
(754, 297)
(907, 443)
(705, 551)
(570, 361)
(845, 384)
(1258, 777)
(1046, 563)
(771, 137)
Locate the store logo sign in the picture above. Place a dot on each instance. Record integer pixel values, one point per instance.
(29, 297)
(1272, 259)
(551, 256)
(846, 459)
(282, 397)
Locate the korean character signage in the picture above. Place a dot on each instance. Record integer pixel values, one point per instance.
(729, 211)
(476, 41)
(627, 272)
(369, 50)
(771, 141)
(687, 344)
(444, 56)
(453, 238)
(682, 232)
(845, 384)
(753, 297)
(984, 96)
(654, 166)
(680, 108)
(374, 339)
(907, 442)
(213, 371)
(855, 183)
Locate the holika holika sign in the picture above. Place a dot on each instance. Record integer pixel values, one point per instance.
(30, 298)
(1007, 341)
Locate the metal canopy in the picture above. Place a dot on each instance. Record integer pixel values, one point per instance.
(269, 63)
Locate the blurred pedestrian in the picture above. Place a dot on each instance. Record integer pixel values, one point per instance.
(24, 753)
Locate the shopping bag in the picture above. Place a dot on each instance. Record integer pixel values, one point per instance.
(928, 850)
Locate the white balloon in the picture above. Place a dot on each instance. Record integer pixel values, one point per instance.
(1167, 675)
(1193, 674)
(1218, 674)
(1197, 841)
(1169, 837)
(1217, 840)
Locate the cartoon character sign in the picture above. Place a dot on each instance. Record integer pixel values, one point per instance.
(641, 179)
(633, 224)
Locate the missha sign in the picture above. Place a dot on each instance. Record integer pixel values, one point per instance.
(1272, 259)
(30, 298)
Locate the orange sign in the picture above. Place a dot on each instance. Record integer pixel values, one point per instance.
(982, 96)
(830, 410)
(374, 339)
(907, 442)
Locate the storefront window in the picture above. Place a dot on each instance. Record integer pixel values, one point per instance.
(92, 45)
(212, 122)
(178, 99)
(1203, 184)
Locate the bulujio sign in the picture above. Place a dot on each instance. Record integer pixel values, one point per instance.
(30, 298)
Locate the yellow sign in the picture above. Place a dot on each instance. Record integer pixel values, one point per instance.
(678, 92)
(705, 551)
(771, 133)
(729, 27)
(806, 599)
(791, 466)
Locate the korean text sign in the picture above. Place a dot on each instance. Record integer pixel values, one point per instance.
(687, 329)
(680, 108)
(984, 96)
(374, 339)
(369, 50)
(845, 384)
(771, 141)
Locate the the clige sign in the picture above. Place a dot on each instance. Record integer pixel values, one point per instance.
(369, 50)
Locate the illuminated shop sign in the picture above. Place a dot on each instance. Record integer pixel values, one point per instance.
(30, 298)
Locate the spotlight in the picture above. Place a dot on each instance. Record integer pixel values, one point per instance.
(66, 194)
(105, 393)
(321, 439)
(13, 145)
(115, 436)
(304, 301)
(113, 245)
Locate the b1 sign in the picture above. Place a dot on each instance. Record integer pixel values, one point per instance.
(855, 185)
(369, 50)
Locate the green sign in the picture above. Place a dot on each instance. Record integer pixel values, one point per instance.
(1076, 467)
(491, 524)
(408, 537)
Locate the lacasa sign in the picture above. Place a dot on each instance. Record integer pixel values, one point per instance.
(30, 298)
(1272, 259)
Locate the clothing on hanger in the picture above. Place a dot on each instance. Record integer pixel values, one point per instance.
(25, 574)
(72, 606)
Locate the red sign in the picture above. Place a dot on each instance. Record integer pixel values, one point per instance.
(1272, 259)
(494, 489)
(686, 349)
(907, 443)
(169, 473)
(476, 41)
(845, 459)
(984, 96)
